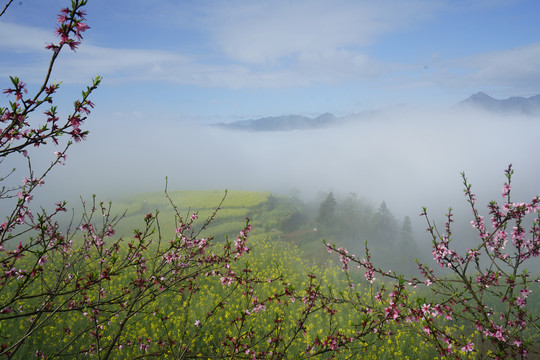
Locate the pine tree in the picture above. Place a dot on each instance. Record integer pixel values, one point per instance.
(327, 211)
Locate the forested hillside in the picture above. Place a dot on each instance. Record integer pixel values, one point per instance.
(347, 221)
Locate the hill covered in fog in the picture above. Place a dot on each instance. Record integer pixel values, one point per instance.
(296, 122)
(282, 123)
(516, 104)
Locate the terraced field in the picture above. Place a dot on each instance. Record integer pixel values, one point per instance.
(232, 208)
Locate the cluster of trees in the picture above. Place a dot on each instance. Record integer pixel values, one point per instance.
(352, 219)
(84, 291)
(350, 222)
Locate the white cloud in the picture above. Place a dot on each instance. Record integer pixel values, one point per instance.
(266, 44)
(24, 38)
(140, 65)
(122, 66)
(513, 66)
(266, 32)
(517, 68)
(334, 66)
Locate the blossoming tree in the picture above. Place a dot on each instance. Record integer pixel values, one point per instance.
(479, 305)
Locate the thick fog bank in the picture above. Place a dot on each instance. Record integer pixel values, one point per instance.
(407, 158)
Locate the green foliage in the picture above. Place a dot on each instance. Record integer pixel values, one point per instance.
(349, 221)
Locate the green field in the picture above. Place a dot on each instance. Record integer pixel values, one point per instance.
(233, 207)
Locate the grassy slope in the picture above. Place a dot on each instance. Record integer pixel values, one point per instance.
(230, 219)
(267, 214)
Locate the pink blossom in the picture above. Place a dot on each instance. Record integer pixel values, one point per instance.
(505, 190)
(258, 308)
(226, 280)
(468, 348)
(80, 27)
(525, 292)
(75, 122)
(42, 260)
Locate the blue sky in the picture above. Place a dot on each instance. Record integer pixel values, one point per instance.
(208, 61)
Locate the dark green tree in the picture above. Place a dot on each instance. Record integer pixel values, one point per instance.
(386, 228)
(350, 217)
(327, 211)
(407, 237)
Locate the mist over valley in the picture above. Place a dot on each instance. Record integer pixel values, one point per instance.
(407, 157)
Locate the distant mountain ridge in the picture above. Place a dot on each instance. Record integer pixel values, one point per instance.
(282, 123)
(516, 104)
(480, 100)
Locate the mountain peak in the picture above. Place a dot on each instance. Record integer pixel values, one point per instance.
(480, 95)
(515, 104)
(282, 123)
